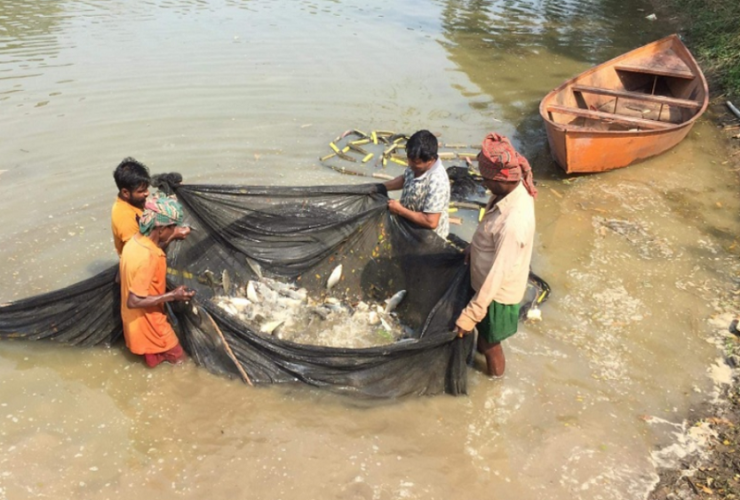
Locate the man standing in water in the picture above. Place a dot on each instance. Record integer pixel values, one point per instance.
(426, 188)
(132, 179)
(500, 251)
(143, 271)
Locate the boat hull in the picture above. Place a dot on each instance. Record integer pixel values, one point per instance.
(636, 106)
(591, 152)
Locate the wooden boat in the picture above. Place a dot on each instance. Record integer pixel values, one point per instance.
(635, 106)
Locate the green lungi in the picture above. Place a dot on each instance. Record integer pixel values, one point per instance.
(499, 323)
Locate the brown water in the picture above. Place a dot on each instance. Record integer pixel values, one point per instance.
(250, 92)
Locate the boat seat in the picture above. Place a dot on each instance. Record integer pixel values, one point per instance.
(659, 99)
(663, 64)
(600, 115)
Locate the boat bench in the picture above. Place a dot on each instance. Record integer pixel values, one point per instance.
(659, 99)
(600, 115)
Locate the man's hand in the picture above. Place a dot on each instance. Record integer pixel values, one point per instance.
(466, 253)
(182, 294)
(395, 207)
(181, 232)
(460, 332)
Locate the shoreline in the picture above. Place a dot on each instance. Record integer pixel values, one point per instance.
(709, 439)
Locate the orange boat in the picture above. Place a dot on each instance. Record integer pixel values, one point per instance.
(635, 106)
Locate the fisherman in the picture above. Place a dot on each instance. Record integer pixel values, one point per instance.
(500, 251)
(132, 179)
(143, 270)
(425, 195)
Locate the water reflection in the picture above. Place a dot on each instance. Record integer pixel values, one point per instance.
(27, 39)
(516, 51)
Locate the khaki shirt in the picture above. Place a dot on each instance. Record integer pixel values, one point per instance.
(500, 254)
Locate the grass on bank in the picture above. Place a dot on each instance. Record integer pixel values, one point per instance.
(714, 35)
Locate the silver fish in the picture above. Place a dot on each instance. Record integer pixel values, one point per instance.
(334, 278)
(271, 327)
(239, 302)
(226, 281)
(386, 326)
(285, 289)
(393, 302)
(252, 292)
(255, 267)
(321, 312)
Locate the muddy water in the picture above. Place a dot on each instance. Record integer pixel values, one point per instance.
(641, 260)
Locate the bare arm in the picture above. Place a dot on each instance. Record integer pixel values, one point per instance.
(394, 184)
(178, 294)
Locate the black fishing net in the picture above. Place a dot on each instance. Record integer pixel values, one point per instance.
(298, 235)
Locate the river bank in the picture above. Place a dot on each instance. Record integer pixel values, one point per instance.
(705, 461)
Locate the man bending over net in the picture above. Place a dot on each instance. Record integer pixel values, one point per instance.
(143, 272)
(426, 188)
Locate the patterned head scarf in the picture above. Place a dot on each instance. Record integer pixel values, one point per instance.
(499, 161)
(160, 212)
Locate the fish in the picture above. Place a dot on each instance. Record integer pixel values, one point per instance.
(228, 308)
(359, 142)
(285, 289)
(265, 291)
(324, 158)
(373, 318)
(393, 302)
(240, 302)
(207, 277)
(385, 324)
(337, 308)
(405, 340)
(321, 312)
(294, 294)
(271, 326)
(252, 292)
(368, 158)
(255, 267)
(226, 281)
(334, 278)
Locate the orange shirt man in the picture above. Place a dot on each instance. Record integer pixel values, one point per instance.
(143, 271)
(132, 179)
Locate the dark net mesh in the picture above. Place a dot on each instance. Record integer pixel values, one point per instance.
(290, 234)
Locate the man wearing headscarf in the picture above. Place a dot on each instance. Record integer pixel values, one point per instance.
(143, 271)
(500, 251)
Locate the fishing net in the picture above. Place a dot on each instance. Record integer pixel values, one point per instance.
(295, 235)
